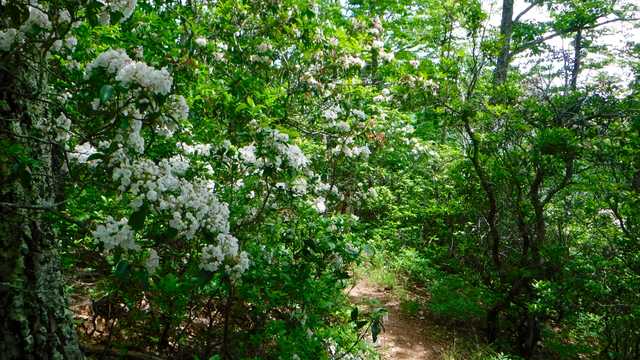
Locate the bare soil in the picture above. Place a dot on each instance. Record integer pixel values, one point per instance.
(405, 336)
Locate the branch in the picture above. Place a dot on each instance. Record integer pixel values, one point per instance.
(618, 216)
(566, 180)
(50, 208)
(531, 43)
(534, 4)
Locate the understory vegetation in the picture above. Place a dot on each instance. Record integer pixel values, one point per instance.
(200, 179)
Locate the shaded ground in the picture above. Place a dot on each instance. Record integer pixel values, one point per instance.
(405, 337)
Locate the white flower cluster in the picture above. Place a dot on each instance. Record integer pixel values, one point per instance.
(384, 96)
(248, 154)
(264, 47)
(64, 16)
(359, 114)
(177, 107)
(296, 157)
(129, 71)
(125, 7)
(62, 125)
(348, 61)
(278, 142)
(82, 152)
(37, 18)
(156, 81)
(111, 60)
(214, 256)
(201, 41)
(299, 186)
(260, 59)
(319, 205)
(342, 126)
(332, 113)
(153, 261)
(135, 138)
(349, 150)
(116, 234)
(195, 149)
(192, 204)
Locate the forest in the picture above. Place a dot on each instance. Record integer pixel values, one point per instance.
(320, 179)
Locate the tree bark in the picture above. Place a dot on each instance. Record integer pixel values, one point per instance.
(506, 30)
(35, 322)
(577, 58)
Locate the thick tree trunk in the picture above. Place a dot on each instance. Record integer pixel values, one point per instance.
(34, 321)
(506, 29)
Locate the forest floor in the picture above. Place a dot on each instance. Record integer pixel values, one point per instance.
(405, 336)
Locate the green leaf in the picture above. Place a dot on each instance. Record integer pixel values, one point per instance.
(354, 314)
(122, 268)
(136, 220)
(375, 330)
(106, 91)
(95, 156)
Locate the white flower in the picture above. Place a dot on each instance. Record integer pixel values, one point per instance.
(57, 45)
(226, 250)
(82, 152)
(63, 124)
(196, 149)
(361, 150)
(71, 42)
(343, 126)
(349, 61)
(299, 186)
(201, 41)
(319, 205)
(377, 44)
(95, 104)
(156, 81)
(380, 98)
(248, 154)
(64, 16)
(153, 261)
(125, 7)
(36, 18)
(387, 56)
(177, 107)
(264, 47)
(296, 157)
(331, 113)
(111, 60)
(135, 139)
(115, 234)
(152, 195)
(408, 129)
(359, 113)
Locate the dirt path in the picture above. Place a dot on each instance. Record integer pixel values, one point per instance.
(406, 337)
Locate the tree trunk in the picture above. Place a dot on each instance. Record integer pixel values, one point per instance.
(506, 29)
(577, 58)
(34, 322)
